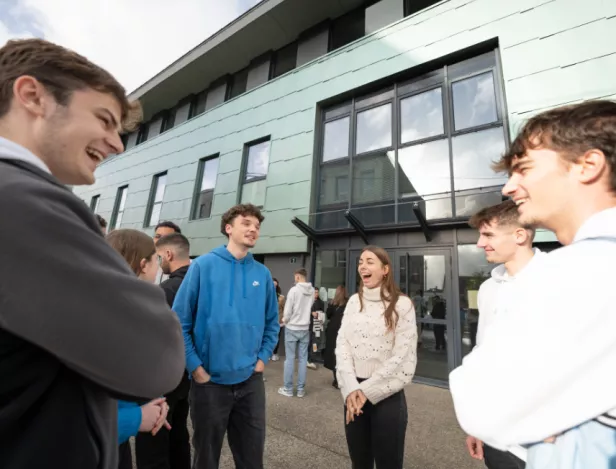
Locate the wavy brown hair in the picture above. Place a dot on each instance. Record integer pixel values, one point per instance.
(133, 246)
(390, 293)
(341, 297)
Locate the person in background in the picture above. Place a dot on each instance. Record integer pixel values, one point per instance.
(138, 251)
(510, 245)
(335, 312)
(439, 311)
(318, 306)
(77, 328)
(376, 355)
(164, 228)
(229, 313)
(296, 319)
(170, 449)
(543, 375)
(102, 223)
(281, 302)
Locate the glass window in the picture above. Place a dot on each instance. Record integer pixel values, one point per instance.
(336, 140)
(474, 101)
(332, 177)
(374, 178)
(286, 59)
(94, 202)
(425, 180)
(348, 28)
(330, 272)
(142, 134)
(473, 270)
(118, 210)
(240, 80)
(374, 129)
(421, 116)
(472, 156)
(160, 183)
(198, 105)
(258, 161)
(205, 196)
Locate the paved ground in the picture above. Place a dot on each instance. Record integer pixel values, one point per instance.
(309, 434)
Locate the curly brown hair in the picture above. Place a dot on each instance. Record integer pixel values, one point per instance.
(243, 210)
(571, 131)
(61, 72)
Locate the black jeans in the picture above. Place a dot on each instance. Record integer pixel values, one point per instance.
(238, 409)
(439, 336)
(280, 339)
(497, 459)
(168, 449)
(125, 456)
(377, 435)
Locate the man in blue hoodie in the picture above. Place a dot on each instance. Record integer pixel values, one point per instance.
(228, 309)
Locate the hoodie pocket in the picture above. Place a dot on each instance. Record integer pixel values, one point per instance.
(233, 346)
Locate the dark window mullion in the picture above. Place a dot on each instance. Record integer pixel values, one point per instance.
(449, 126)
(352, 144)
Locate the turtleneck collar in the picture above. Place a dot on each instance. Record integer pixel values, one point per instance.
(372, 294)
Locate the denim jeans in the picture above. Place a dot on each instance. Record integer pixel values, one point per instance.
(237, 410)
(294, 340)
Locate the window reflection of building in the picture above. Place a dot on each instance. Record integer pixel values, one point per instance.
(429, 140)
(473, 270)
(330, 272)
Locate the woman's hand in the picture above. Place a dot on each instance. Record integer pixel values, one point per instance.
(355, 402)
(150, 414)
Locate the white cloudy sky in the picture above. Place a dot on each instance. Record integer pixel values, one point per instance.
(133, 39)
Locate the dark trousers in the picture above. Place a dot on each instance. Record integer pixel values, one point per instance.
(168, 449)
(439, 336)
(377, 435)
(125, 456)
(280, 339)
(238, 410)
(497, 459)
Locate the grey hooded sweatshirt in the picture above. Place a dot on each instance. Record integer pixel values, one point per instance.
(298, 305)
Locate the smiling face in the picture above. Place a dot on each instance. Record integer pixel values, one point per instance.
(371, 270)
(500, 243)
(244, 231)
(543, 186)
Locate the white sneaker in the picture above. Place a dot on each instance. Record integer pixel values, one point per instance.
(312, 366)
(301, 393)
(275, 358)
(285, 392)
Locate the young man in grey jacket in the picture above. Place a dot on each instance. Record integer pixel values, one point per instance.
(78, 329)
(296, 319)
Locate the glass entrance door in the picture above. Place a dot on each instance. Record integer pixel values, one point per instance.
(425, 276)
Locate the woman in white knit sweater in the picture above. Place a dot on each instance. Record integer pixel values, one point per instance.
(376, 354)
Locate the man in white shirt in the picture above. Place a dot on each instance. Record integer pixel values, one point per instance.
(507, 243)
(547, 367)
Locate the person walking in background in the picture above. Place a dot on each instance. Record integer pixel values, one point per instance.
(77, 327)
(318, 307)
(335, 312)
(376, 355)
(281, 301)
(543, 375)
(507, 243)
(296, 321)
(170, 449)
(138, 251)
(229, 314)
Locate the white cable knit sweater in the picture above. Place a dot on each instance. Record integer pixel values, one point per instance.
(365, 349)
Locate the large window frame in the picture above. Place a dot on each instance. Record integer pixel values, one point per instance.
(94, 203)
(153, 202)
(443, 78)
(119, 207)
(195, 212)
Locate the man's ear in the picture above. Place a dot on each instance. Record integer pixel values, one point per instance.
(30, 94)
(521, 236)
(591, 166)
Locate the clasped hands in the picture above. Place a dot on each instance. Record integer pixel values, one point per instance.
(354, 404)
(154, 416)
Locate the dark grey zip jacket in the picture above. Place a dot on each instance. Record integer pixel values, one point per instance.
(78, 330)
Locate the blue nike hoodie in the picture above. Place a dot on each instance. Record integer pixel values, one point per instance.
(229, 315)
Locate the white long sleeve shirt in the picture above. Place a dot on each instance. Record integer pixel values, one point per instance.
(549, 364)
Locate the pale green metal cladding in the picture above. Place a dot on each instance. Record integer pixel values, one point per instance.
(553, 52)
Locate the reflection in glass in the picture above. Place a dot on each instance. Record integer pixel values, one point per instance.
(330, 271)
(336, 140)
(258, 161)
(473, 155)
(373, 129)
(210, 171)
(374, 178)
(421, 116)
(474, 101)
(424, 177)
(333, 180)
(161, 184)
(473, 270)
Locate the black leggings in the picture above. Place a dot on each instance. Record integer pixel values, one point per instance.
(377, 435)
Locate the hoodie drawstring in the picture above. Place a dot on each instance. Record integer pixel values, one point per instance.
(232, 283)
(244, 279)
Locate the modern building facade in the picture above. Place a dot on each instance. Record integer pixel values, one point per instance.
(354, 123)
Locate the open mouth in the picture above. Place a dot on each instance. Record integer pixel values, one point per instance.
(95, 155)
(519, 202)
(366, 276)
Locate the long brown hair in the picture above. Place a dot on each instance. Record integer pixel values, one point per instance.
(133, 245)
(341, 297)
(389, 290)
